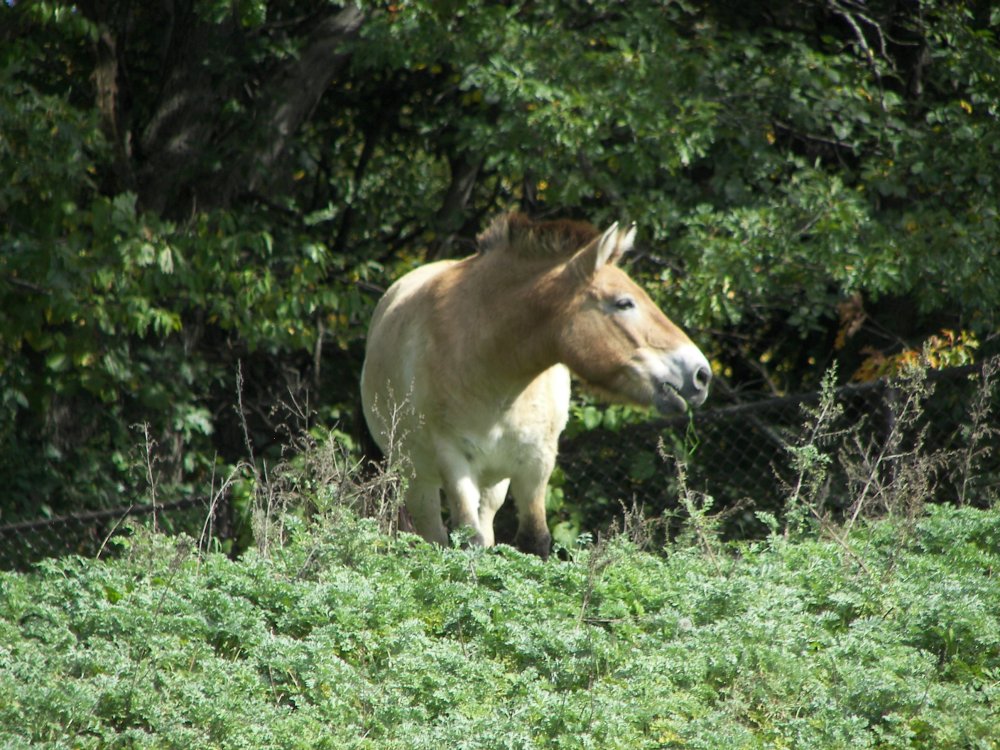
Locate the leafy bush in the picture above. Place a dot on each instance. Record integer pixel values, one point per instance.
(346, 638)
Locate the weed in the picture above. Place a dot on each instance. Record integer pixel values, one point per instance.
(149, 461)
(345, 635)
(811, 460)
(701, 527)
(885, 462)
(894, 472)
(380, 494)
(644, 531)
(980, 432)
(396, 645)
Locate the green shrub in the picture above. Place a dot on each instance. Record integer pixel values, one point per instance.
(343, 637)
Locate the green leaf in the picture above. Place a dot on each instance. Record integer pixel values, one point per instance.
(591, 417)
(57, 361)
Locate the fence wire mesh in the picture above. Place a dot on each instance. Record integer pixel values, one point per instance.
(741, 454)
(741, 459)
(90, 533)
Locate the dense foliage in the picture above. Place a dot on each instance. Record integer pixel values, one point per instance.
(346, 638)
(200, 188)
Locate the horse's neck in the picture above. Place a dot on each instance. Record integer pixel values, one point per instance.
(503, 309)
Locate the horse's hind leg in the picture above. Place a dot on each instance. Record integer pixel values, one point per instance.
(423, 502)
(529, 495)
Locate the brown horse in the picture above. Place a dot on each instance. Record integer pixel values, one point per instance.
(468, 367)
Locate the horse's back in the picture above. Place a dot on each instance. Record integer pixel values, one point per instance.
(404, 298)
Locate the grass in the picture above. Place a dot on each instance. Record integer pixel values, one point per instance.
(344, 637)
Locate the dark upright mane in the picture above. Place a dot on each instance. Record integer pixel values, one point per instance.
(521, 235)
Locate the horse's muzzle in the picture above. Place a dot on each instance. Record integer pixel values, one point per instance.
(687, 383)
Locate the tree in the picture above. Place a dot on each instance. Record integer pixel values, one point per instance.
(198, 187)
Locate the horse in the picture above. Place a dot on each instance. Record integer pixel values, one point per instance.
(467, 367)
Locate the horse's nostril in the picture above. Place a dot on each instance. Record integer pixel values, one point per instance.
(702, 377)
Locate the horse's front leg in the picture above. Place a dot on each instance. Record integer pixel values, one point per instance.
(463, 502)
(423, 503)
(462, 490)
(490, 501)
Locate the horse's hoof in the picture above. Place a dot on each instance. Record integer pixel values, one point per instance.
(535, 544)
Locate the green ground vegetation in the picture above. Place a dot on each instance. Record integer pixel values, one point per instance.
(200, 189)
(341, 636)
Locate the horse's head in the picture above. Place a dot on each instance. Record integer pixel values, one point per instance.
(614, 337)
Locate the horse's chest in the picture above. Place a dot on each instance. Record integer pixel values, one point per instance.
(498, 453)
(526, 432)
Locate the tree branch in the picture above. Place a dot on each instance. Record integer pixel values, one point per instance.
(178, 134)
(347, 221)
(108, 76)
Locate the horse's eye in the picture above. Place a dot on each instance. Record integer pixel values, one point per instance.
(624, 303)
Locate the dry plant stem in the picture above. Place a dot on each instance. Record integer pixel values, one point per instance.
(207, 529)
(148, 451)
(701, 524)
(981, 432)
(242, 411)
(316, 476)
(812, 468)
(636, 527)
(113, 531)
(600, 558)
(264, 512)
(898, 479)
(698, 516)
(149, 459)
(183, 549)
(382, 494)
(840, 538)
(261, 517)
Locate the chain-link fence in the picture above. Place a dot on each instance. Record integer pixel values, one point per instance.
(90, 533)
(739, 454)
(742, 455)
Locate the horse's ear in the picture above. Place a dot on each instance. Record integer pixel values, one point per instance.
(608, 248)
(626, 239)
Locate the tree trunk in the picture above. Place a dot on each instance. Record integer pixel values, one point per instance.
(453, 214)
(193, 156)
